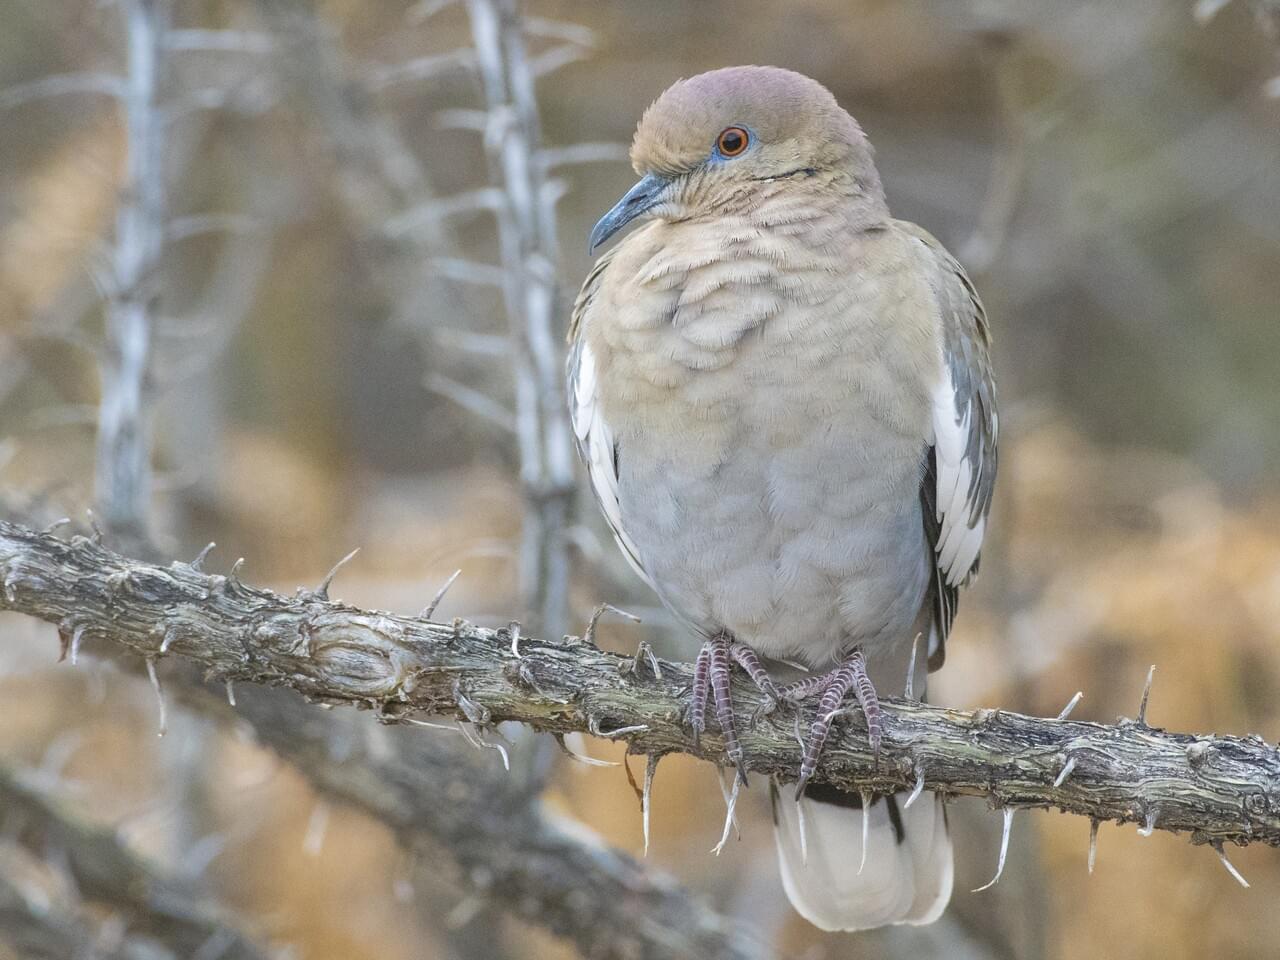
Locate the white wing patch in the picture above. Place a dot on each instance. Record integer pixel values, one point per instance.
(962, 521)
(596, 445)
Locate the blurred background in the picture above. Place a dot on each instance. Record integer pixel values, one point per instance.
(270, 284)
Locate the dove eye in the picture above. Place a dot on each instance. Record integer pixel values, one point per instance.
(732, 141)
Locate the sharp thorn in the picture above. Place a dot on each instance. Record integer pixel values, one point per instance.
(76, 636)
(730, 817)
(198, 563)
(908, 691)
(98, 535)
(804, 837)
(1071, 705)
(916, 790)
(589, 637)
(582, 757)
(1146, 695)
(155, 685)
(866, 829)
(430, 608)
(1149, 825)
(506, 757)
(1222, 855)
(55, 526)
(646, 799)
(1093, 843)
(1004, 850)
(231, 693)
(1066, 772)
(644, 653)
(322, 591)
(514, 629)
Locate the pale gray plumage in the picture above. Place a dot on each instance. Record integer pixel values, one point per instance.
(784, 401)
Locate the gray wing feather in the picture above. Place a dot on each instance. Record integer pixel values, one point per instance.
(961, 460)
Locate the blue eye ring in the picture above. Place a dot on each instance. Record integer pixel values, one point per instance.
(733, 142)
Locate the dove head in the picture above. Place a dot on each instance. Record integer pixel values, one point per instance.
(727, 140)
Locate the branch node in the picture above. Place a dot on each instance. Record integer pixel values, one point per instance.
(118, 582)
(1198, 753)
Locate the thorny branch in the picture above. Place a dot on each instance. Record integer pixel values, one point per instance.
(1220, 789)
(508, 849)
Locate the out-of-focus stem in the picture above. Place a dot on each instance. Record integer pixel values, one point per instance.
(527, 240)
(122, 488)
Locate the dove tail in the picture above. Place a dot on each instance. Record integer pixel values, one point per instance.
(903, 876)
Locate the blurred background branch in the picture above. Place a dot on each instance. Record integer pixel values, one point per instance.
(99, 868)
(123, 480)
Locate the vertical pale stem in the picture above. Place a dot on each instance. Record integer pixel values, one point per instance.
(123, 473)
(527, 241)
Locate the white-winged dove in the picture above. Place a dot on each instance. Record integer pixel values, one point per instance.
(784, 400)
